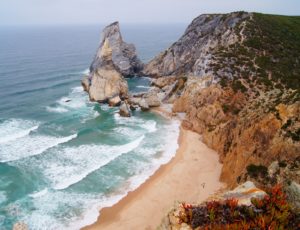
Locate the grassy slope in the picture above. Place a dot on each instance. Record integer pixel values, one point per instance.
(279, 37)
(268, 57)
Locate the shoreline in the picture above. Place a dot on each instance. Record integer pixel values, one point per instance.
(173, 181)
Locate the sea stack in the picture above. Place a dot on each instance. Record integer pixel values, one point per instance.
(113, 61)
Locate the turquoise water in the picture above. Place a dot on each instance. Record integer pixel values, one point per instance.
(62, 158)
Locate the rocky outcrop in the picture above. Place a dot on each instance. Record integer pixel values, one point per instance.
(114, 60)
(192, 53)
(163, 81)
(114, 101)
(107, 83)
(244, 193)
(244, 131)
(124, 110)
(122, 55)
(236, 93)
(286, 173)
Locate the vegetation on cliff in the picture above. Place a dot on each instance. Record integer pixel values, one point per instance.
(268, 53)
(249, 109)
(242, 94)
(271, 212)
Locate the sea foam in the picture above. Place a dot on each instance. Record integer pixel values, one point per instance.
(86, 71)
(39, 194)
(76, 163)
(56, 109)
(169, 147)
(149, 125)
(16, 128)
(29, 146)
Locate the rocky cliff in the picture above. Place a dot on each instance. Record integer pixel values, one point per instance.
(192, 54)
(113, 61)
(242, 91)
(122, 55)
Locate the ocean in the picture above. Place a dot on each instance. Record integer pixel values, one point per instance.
(63, 158)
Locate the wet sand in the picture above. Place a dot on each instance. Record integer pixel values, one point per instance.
(191, 176)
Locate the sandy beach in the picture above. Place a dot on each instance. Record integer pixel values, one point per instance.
(191, 176)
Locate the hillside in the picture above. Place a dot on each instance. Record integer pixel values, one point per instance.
(242, 87)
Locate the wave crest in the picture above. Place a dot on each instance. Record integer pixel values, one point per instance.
(16, 128)
(77, 163)
(30, 146)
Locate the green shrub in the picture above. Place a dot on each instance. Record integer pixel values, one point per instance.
(255, 171)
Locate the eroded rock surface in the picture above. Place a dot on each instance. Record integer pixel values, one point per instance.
(124, 110)
(123, 55)
(192, 53)
(113, 61)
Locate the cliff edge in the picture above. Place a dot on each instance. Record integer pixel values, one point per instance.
(242, 88)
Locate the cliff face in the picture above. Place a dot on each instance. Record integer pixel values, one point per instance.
(243, 131)
(243, 86)
(192, 53)
(113, 61)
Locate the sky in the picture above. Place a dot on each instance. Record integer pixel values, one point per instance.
(81, 12)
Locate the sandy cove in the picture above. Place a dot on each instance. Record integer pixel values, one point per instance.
(191, 176)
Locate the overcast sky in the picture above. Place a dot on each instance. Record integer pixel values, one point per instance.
(20, 12)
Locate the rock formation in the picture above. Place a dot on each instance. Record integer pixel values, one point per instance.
(123, 56)
(236, 76)
(238, 93)
(114, 60)
(124, 110)
(192, 53)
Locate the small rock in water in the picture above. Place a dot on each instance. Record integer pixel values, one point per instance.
(124, 110)
(68, 100)
(133, 107)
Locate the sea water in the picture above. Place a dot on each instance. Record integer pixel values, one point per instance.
(63, 158)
